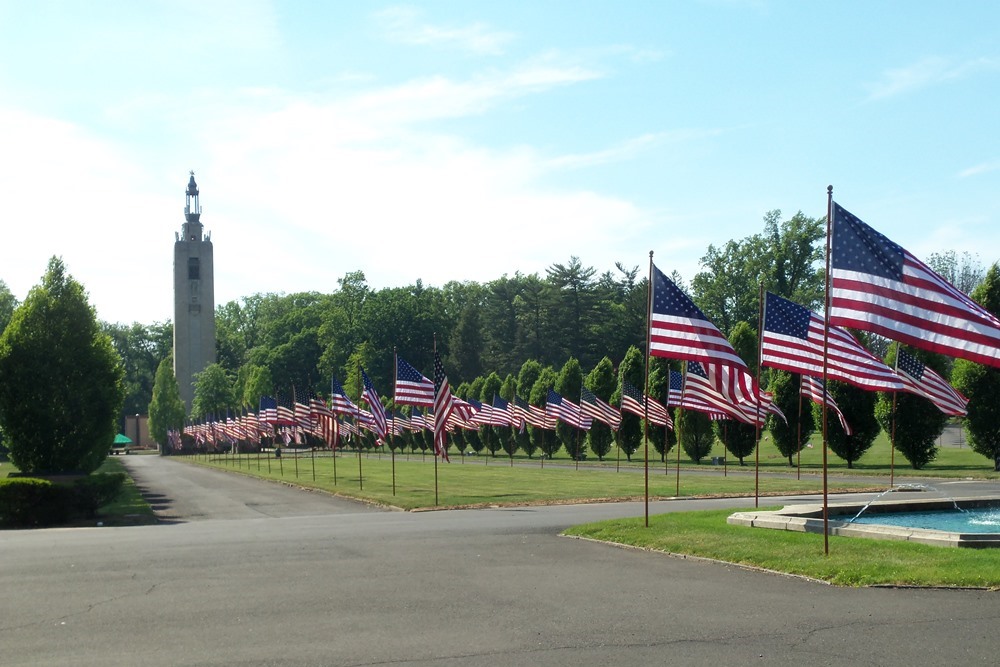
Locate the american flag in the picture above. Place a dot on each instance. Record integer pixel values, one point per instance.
(379, 423)
(812, 388)
(878, 286)
(633, 401)
(491, 415)
(502, 412)
(793, 341)
(318, 407)
(599, 409)
(339, 402)
(417, 420)
(923, 381)
(268, 410)
(303, 412)
(412, 388)
(532, 414)
(700, 394)
(566, 410)
(286, 411)
(679, 330)
(443, 406)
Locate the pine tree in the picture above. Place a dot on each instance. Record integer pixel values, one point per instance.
(601, 380)
(981, 384)
(917, 421)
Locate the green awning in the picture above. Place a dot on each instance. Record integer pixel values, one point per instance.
(122, 439)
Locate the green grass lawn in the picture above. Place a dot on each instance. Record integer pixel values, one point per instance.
(128, 508)
(851, 562)
(477, 483)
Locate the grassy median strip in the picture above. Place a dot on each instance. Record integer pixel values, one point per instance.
(852, 562)
(475, 484)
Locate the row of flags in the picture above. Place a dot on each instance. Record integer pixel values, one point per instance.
(876, 286)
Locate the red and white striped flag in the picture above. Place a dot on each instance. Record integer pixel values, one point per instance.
(878, 286)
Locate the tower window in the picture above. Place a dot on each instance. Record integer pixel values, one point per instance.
(194, 270)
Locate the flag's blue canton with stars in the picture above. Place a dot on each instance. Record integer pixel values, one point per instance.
(793, 341)
(877, 286)
(412, 388)
(679, 330)
(676, 388)
(925, 382)
(375, 404)
(812, 388)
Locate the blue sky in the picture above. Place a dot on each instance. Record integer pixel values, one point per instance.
(464, 140)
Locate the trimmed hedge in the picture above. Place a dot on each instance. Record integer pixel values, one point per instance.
(30, 502)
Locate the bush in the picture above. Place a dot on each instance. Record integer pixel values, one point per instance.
(94, 491)
(29, 502)
(26, 502)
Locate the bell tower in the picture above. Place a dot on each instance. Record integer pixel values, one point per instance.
(194, 297)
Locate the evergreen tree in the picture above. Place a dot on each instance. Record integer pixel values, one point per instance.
(741, 438)
(791, 437)
(917, 421)
(166, 409)
(474, 438)
(696, 434)
(544, 439)
(62, 382)
(663, 438)
(568, 386)
(489, 434)
(603, 383)
(981, 384)
(508, 435)
(466, 344)
(526, 378)
(858, 407)
(629, 435)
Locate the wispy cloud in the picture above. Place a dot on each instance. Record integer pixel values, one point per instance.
(981, 168)
(404, 25)
(627, 149)
(925, 73)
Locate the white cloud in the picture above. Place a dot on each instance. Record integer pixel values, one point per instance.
(404, 25)
(73, 195)
(927, 72)
(982, 168)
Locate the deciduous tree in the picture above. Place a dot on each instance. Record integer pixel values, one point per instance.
(62, 381)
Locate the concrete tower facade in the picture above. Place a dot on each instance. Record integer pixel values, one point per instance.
(194, 297)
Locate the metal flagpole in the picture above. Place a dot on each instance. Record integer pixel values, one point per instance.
(826, 349)
(361, 482)
(392, 432)
(798, 436)
(892, 434)
(645, 388)
(436, 417)
(757, 420)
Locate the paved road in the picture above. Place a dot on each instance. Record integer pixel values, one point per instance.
(339, 584)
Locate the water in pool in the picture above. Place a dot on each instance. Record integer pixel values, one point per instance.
(978, 520)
